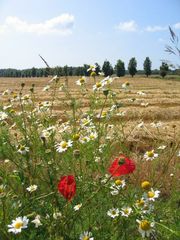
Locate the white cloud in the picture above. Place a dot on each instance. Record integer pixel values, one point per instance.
(177, 25)
(129, 26)
(155, 28)
(61, 25)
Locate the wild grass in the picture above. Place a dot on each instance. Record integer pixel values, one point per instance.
(39, 145)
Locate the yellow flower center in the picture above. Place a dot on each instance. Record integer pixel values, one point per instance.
(126, 211)
(146, 185)
(98, 84)
(76, 136)
(82, 80)
(150, 154)
(64, 144)
(85, 238)
(118, 182)
(145, 225)
(18, 225)
(140, 203)
(104, 113)
(22, 148)
(151, 194)
(127, 84)
(113, 212)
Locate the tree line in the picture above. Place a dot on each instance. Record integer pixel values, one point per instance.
(107, 69)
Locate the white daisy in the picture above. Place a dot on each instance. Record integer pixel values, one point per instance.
(125, 85)
(77, 207)
(152, 195)
(86, 236)
(156, 124)
(18, 224)
(141, 93)
(37, 221)
(32, 188)
(145, 227)
(113, 212)
(162, 147)
(98, 86)
(46, 88)
(3, 116)
(117, 186)
(57, 215)
(81, 81)
(63, 146)
(22, 149)
(150, 155)
(126, 211)
(91, 68)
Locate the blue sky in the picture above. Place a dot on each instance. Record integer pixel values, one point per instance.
(75, 32)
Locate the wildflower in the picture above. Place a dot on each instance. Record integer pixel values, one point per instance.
(84, 139)
(121, 166)
(46, 88)
(145, 227)
(57, 215)
(3, 116)
(6, 92)
(67, 187)
(32, 188)
(146, 185)
(140, 125)
(144, 104)
(141, 93)
(54, 79)
(107, 81)
(152, 195)
(86, 236)
(98, 86)
(162, 147)
(117, 186)
(156, 124)
(140, 202)
(77, 207)
(121, 114)
(93, 135)
(22, 149)
(18, 224)
(81, 81)
(91, 68)
(63, 146)
(37, 221)
(125, 85)
(150, 155)
(126, 211)
(113, 212)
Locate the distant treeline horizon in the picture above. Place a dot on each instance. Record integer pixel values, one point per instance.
(107, 69)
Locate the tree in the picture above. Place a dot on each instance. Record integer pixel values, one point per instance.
(164, 68)
(119, 68)
(107, 68)
(98, 68)
(33, 72)
(147, 66)
(132, 67)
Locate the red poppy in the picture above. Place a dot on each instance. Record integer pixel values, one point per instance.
(121, 166)
(67, 187)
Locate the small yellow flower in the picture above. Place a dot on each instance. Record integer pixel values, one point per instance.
(146, 185)
(76, 136)
(145, 225)
(118, 182)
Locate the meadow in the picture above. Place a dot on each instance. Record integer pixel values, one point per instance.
(90, 158)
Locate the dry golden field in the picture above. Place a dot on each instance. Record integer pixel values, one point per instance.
(161, 103)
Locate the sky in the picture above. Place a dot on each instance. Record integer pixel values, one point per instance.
(75, 32)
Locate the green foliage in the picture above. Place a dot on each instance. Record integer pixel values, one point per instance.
(132, 67)
(120, 68)
(107, 68)
(147, 66)
(164, 69)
